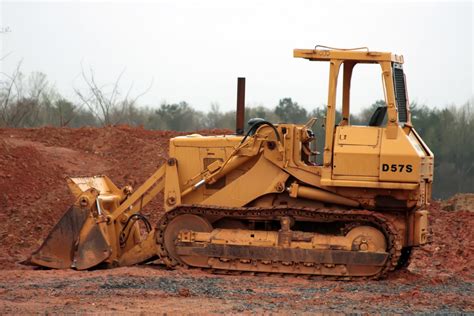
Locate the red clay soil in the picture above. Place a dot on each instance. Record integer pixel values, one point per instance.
(34, 195)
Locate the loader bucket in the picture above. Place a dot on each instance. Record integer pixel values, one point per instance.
(90, 232)
(92, 247)
(80, 239)
(77, 241)
(57, 250)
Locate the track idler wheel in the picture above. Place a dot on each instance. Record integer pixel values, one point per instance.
(189, 222)
(366, 239)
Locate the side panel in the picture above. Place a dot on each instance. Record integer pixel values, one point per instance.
(400, 161)
(368, 155)
(356, 152)
(193, 154)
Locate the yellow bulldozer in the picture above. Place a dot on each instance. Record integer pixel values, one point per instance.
(258, 201)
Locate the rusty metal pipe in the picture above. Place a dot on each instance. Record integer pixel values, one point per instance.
(240, 113)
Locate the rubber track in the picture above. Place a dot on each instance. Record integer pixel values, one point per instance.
(320, 215)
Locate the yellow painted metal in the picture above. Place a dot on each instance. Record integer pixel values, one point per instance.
(390, 160)
(262, 179)
(392, 117)
(357, 151)
(301, 191)
(399, 159)
(427, 164)
(172, 194)
(420, 228)
(79, 185)
(136, 201)
(140, 252)
(343, 55)
(195, 151)
(348, 67)
(331, 114)
(365, 238)
(272, 167)
(107, 210)
(369, 184)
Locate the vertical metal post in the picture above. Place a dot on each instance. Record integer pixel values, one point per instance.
(240, 113)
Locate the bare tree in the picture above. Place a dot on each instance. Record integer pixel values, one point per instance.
(24, 103)
(9, 94)
(106, 102)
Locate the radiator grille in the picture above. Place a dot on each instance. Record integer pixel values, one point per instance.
(400, 94)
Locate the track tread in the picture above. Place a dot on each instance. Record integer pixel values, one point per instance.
(394, 240)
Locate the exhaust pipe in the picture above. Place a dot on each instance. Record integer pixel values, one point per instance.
(240, 113)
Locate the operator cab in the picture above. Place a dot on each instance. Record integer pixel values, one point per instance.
(386, 152)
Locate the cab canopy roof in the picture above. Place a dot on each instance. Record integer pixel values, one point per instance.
(358, 55)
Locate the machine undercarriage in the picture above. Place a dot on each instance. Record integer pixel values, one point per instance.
(340, 243)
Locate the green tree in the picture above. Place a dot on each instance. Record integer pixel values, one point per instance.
(290, 112)
(179, 117)
(213, 119)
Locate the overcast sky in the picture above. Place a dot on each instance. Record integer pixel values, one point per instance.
(194, 50)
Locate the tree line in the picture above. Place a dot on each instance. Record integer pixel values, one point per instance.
(31, 101)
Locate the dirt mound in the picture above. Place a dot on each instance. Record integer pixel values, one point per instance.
(459, 202)
(451, 252)
(25, 172)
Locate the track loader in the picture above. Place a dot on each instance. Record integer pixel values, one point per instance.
(258, 201)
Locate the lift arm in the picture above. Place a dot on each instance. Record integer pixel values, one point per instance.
(143, 195)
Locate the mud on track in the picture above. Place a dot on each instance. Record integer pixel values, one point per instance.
(34, 195)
